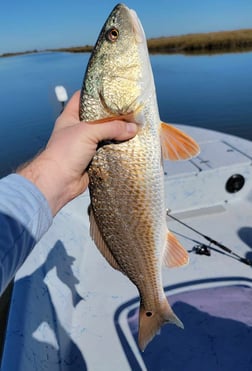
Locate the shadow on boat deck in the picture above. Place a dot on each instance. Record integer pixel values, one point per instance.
(35, 331)
(217, 334)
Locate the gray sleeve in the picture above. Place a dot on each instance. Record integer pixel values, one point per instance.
(25, 216)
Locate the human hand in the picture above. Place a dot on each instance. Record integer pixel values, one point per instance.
(60, 170)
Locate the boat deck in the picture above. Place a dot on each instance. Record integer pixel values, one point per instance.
(71, 311)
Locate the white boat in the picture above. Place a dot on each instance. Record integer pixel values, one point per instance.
(71, 311)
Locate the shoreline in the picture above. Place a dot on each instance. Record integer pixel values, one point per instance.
(189, 44)
(203, 43)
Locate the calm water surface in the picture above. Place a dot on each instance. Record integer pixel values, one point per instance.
(214, 92)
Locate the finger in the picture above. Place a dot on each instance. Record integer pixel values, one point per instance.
(113, 130)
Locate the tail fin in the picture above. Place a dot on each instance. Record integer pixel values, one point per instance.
(150, 322)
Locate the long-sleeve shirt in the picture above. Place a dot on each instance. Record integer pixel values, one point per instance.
(25, 216)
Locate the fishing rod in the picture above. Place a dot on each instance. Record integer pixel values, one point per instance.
(212, 241)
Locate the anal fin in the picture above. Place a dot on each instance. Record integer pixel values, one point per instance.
(177, 145)
(174, 255)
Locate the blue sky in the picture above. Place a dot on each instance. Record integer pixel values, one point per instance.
(31, 24)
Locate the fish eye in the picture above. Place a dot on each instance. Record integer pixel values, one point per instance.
(112, 34)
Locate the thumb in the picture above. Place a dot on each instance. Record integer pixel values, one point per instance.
(112, 130)
(72, 107)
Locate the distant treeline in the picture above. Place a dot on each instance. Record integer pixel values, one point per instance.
(74, 49)
(18, 53)
(199, 43)
(212, 42)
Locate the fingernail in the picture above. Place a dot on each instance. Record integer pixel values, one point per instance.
(131, 127)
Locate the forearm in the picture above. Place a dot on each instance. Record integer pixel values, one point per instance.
(41, 173)
(47, 174)
(24, 217)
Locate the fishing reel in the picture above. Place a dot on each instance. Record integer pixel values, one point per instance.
(202, 249)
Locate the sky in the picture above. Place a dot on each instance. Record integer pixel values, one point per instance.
(31, 24)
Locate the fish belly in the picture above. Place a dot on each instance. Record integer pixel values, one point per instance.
(127, 198)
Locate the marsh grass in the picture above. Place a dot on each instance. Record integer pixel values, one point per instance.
(74, 49)
(199, 43)
(212, 42)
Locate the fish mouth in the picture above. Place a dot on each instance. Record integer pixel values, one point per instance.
(136, 24)
(137, 27)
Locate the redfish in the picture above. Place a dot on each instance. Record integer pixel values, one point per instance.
(126, 180)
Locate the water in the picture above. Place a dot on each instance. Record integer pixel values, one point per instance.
(206, 91)
(213, 92)
(28, 105)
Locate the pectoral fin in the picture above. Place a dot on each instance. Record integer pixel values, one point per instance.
(132, 116)
(176, 145)
(174, 255)
(99, 241)
(129, 117)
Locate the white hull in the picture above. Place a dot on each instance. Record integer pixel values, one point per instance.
(84, 316)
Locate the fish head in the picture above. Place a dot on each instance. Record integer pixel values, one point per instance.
(118, 75)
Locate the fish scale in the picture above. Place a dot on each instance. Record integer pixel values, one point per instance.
(134, 193)
(126, 180)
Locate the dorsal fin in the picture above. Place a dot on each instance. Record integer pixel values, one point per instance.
(176, 145)
(174, 255)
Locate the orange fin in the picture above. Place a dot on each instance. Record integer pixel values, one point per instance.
(99, 241)
(174, 255)
(133, 116)
(176, 145)
(150, 322)
(129, 117)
